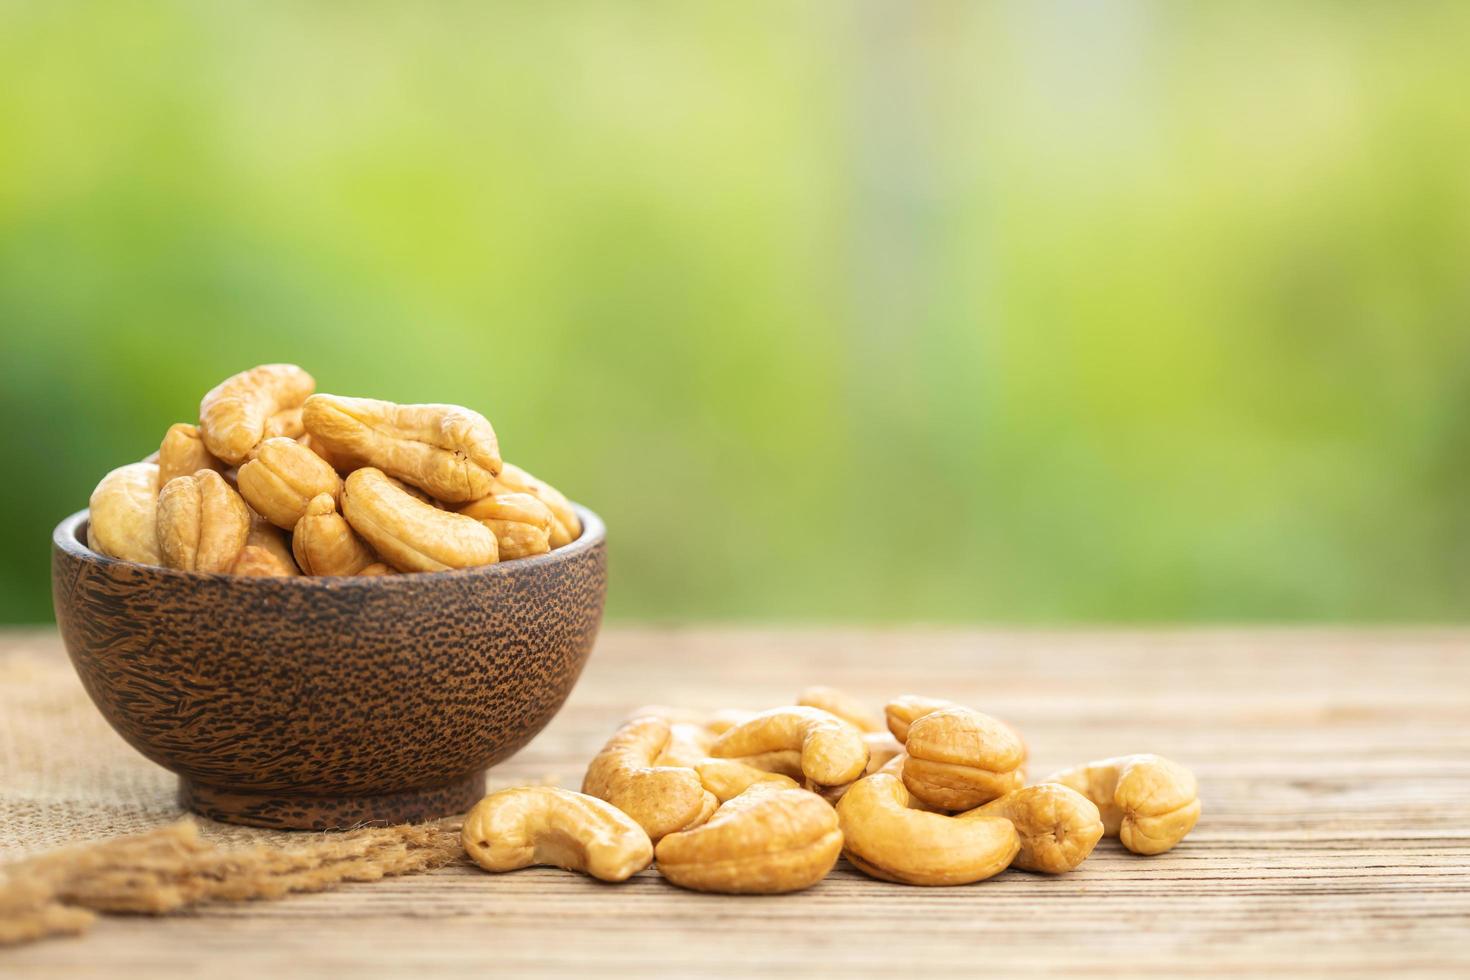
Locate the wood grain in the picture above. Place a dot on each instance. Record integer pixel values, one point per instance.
(1334, 767)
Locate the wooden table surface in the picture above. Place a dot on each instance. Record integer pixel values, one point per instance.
(1334, 767)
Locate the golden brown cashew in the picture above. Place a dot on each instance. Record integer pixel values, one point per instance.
(1149, 802)
(959, 759)
(266, 553)
(662, 799)
(182, 453)
(122, 521)
(843, 705)
(234, 413)
(522, 524)
(377, 568)
(783, 762)
(766, 841)
(688, 745)
(446, 450)
(202, 523)
(409, 534)
(325, 544)
(832, 751)
(887, 837)
(529, 825)
(902, 712)
(567, 526)
(882, 749)
(1058, 826)
(283, 478)
(728, 778)
(254, 561)
(285, 424)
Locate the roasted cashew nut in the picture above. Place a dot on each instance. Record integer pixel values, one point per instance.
(325, 544)
(1147, 801)
(409, 534)
(728, 778)
(882, 749)
(662, 799)
(688, 745)
(234, 413)
(567, 526)
(888, 838)
(766, 841)
(902, 712)
(282, 479)
(959, 758)
(1058, 826)
(182, 453)
(832, 751)
(122, 520)
(843, 705)
(522, 524)
(533, 825)
(446, 450)
(266, 553)
(202, 523)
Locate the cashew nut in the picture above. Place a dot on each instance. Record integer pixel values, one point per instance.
(122, 519)
(567, 526)
(409, 534)
(266, 553)
(902, 712)
(254, 561)
(283, 478)
(286, 424)
(688, 745)
(843, 705)
(728, 778)
(832, 751)
(959, 758)
(882, 748)
(662, 799)
(766, 841)
(325, 544)
(530, 825)
(447, 450)
(887, 837)
(1147, 801)
(182, 453)
(522, 524)
(1058, 826)
(202, 523)
(234, 413)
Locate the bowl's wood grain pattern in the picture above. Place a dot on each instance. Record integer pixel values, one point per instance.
(316, 703)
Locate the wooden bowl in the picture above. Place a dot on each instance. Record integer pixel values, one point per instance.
(318, 703)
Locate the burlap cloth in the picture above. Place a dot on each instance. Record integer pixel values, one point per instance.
(71, 790)
(66, 776)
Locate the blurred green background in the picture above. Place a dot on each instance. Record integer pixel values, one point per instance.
(1033, 312)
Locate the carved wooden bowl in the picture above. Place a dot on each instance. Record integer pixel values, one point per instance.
(316, 703)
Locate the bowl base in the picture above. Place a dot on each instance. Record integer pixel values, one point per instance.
(283, 810)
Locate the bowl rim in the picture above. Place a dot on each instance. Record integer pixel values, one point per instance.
(68, 538)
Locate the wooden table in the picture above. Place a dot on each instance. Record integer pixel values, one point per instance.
(1334, 767)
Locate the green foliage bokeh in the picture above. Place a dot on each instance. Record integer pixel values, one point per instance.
(1032, 312)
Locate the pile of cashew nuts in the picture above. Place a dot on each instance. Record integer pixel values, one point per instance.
(933, 793)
